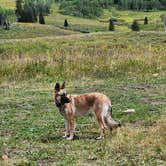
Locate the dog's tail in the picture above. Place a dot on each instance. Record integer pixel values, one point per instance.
(110, 122)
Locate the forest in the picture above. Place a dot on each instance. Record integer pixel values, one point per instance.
(94, 8)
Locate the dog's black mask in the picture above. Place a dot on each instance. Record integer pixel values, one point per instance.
(64, 100)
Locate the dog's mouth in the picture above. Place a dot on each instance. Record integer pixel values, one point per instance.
(58, 104)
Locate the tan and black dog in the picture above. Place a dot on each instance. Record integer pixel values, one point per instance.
(71, 106)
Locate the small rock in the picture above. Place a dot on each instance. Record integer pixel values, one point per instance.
(129, 111)
(155, 74)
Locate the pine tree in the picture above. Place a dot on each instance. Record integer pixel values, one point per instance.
(135, 26)
(41, 18)
(111, 25)
(66, 23)
(19, 9)
(146, 20)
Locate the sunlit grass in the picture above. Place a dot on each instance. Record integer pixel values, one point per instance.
(8, 3)
(93, 55)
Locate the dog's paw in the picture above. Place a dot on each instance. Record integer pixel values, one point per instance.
(99, 138)
(65, 136)
(70, 138)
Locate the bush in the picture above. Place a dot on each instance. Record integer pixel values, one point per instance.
(41, 18)
(146, 20)
(28, 10)
(66, 23)
(6, 15)
(111, 25)
(135, 26)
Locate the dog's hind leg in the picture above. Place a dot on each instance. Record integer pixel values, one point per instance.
(102, 125)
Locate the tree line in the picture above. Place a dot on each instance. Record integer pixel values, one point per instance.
(94, 8)
(29, 10)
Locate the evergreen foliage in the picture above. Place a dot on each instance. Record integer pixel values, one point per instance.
(94, 8)
(146, 20)
(66, 23)
(81, 8)
(28, 10)
(41, 18)
(111, 25)
(135, 26)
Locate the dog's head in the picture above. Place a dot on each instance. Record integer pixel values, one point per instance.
(60, 95)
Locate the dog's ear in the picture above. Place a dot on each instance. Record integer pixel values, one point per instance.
(57, 87)
(63, 85)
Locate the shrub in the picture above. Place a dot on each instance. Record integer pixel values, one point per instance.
(146, 20)
(66, 23)
(28, 10)
(111, 25)
(41, 18)
(135, 26)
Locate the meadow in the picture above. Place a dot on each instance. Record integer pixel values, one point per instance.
(7, 3)
(129, 67)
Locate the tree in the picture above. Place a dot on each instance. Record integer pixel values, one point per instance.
(27, 14)
(81, 8)
(163, 18)
(6, 25)
(29, 10)
(41, 18)
(19, 8)
(111, 25)
(66, 23)
(145, 20)
(135, 26)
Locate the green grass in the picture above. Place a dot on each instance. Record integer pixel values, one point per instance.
(101, 24)
(71, 57)
(31, 30)
(7, 3)
(128, 67)
(31, 127)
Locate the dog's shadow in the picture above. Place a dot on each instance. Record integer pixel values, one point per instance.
(59, 138)
(50, 139)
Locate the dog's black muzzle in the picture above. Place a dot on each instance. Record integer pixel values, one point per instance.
(64, 99)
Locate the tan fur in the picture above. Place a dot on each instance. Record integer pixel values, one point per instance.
(80, 105)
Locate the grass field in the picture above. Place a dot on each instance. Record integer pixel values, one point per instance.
(129, 67)
(7, 3)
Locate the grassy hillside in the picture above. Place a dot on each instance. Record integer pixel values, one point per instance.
(73, 56)
(124, 18)
(7, 3)
(55, 22)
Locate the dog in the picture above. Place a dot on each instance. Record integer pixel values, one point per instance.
(74, 105)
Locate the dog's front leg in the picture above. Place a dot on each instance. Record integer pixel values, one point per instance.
(66, 129)
(71, 127)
